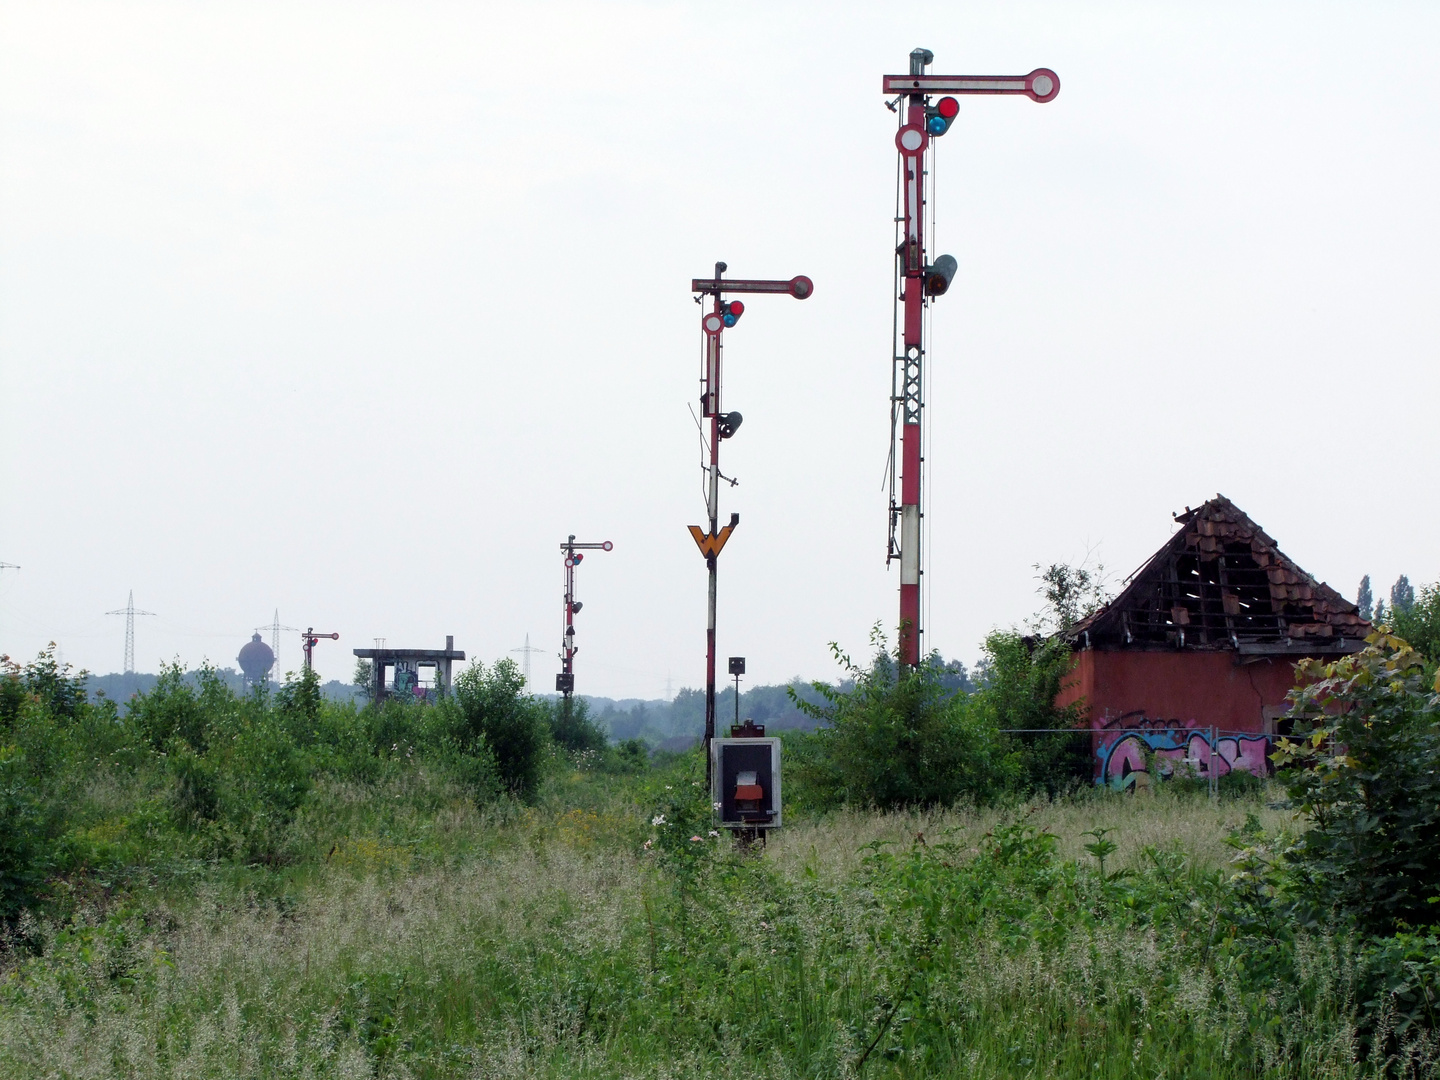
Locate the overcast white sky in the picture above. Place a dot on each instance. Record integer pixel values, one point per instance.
(357, 310)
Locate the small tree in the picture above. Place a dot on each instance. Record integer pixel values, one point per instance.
(1402, 595)
(1071, 593)
(898, 738)
(1365, 760)
(1365, 598)
(572, 727)
(1419, 624)
(364, 679)
(495, 711)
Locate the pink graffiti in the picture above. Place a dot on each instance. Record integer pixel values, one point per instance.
(1124, 760)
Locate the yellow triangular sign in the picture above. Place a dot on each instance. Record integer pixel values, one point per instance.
(710, 545)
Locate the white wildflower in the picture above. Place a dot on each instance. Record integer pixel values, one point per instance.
(658, 819)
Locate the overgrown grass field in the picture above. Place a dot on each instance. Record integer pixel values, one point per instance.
(415, 934)
(275, 886)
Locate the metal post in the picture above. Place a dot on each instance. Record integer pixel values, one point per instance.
(308, 638)
(722, 426)
(918, 280)
(1214, 769)
(712, 500)
(573, 552)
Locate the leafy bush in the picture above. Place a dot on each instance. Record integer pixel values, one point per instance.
(572, 727)
(20, 822)
(495, 713)
(899, 738)
(1021, 679)
(1365, 766)
(1419, 622)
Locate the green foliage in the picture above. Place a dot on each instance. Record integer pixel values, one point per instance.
(1071, 593)
(1021, 679)
(903, 737)
(176, 710)
(1364, 764)
(572, 727)
(495, 713)
(20, 824)
(899, 738)
(1419, 622)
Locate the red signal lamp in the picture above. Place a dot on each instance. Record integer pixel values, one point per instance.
(941, 115)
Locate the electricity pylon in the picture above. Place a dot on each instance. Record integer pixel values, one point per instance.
(129, 611)
(527, 649)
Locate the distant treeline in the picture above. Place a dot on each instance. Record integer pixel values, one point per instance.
(677, 724)
(120, 688)
(669, 725)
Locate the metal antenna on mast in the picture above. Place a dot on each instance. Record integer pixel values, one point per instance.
(527, 649)
(723, 425)
(129, 611)
(921, 280)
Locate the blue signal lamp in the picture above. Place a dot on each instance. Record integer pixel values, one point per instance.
(941, 115)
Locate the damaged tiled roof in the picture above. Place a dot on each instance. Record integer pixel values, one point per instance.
(1222, 583)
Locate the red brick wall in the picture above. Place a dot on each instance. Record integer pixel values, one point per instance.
(1193, 689)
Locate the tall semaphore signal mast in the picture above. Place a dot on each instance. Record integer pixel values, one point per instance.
(918, 280)
(723, 425)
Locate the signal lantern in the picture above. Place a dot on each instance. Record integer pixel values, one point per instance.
(941, 115)
(733, 310)
(939, 276)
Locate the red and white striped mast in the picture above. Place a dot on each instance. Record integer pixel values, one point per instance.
(723, 425)
(919, 280)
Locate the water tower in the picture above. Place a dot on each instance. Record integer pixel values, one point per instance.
(256, 660)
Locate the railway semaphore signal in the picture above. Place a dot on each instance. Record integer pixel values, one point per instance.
(723, 425)
(920, 281)
(574, 554)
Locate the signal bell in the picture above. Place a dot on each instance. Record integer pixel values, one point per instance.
(939, 276)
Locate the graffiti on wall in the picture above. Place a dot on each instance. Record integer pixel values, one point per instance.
(1126, 757)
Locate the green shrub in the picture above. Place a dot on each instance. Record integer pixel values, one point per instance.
(20, 824)
(900, 737)
(1418, 623)
(1364, 764)
(1020, 679)
(492, 712)
(572, 727)
(174, 709)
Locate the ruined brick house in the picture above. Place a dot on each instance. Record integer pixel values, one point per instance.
(1198, 650)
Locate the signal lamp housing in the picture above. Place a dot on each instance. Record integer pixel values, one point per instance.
(939, 276)
(941, 115)
(729, 424)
